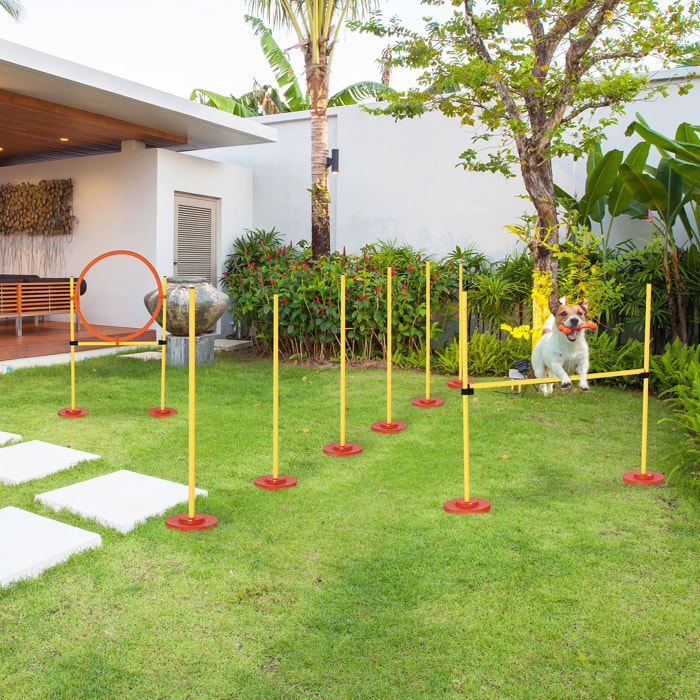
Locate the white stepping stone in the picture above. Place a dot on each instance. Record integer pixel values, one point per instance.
(9, 438)
(30, 543)
(120, 500)
(36, 459)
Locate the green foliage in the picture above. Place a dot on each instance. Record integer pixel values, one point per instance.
(488, 355)
(309, 296)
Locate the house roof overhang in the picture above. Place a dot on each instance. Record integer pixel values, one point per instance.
(45, 100)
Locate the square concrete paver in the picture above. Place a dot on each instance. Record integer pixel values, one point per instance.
(36, 459)
(9, 438)
(120, 500)
(30, 543)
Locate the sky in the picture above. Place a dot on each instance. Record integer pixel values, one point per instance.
(180, 45)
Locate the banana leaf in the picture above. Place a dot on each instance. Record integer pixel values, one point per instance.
(357, 92)
(598, 183)
(620, 197)
(645, 189)
(222, 102)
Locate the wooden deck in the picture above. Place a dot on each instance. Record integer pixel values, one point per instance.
(53, 338)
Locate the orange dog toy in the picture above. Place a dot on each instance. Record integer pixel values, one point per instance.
(588, 324)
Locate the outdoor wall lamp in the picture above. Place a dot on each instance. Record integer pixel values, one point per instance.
(332, 160)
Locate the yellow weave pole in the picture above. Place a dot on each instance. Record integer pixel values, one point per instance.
(191, 418)
(643, 476)
(427, 330)
(390, 426)
(341, 449)
(466, 504)
(191, 520)
(458, 382)
(276, 480)
(72, 412)
(426, 401)
(275, 387)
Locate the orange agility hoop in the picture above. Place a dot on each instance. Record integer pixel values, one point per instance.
(121, 339)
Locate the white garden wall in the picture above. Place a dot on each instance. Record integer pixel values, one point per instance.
(400, 180)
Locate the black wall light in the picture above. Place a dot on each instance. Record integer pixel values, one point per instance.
(332, 160)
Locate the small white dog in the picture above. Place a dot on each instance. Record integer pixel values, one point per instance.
(560, 351)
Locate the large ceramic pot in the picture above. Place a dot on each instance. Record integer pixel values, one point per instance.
(209, 305)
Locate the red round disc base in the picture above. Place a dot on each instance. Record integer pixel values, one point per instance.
(269, 482)
(182, 521)
(158, 413)
(454, 383)
(650, 478)
(396, 426)
(73, 412)
(422, 402)
(475, 505)
(338, 450)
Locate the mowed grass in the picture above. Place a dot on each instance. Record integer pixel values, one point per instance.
(356, 583)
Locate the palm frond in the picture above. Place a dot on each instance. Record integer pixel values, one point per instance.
(228, 104)
(359, 92)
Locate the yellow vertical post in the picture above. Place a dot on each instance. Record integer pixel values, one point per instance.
(645, 391)
(461, 330)
(162, 347)
(427, 331)
(191, 415)
(465, 403)
(72, 347)
(275, 388)
(342, 360)
(388, 346)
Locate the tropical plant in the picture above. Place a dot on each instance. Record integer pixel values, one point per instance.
(531, 73)
(317, 26)
(13, 7)
(288, 95)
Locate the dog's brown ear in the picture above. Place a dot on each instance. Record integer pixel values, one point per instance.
(554, 303)
(584, 305)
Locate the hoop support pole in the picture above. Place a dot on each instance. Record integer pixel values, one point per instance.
(162, 347)
(72, 348)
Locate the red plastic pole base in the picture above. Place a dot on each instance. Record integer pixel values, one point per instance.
(475, 505)
(422, 402)
(182, 521)
(158, 413)
(272, 484)
(649, 479)
(73, 412)
(456, 383)
(396, 426)
(337, 450)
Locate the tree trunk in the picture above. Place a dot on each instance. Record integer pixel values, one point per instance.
(317, 85)
(539, 183)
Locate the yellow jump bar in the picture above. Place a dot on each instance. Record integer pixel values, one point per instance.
(552, 380)
(116, 344)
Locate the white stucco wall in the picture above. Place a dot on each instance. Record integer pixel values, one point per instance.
(125, 201)
(400, 180)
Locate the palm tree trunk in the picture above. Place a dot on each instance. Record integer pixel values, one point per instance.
(317, 85)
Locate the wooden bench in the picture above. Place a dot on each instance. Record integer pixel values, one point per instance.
(30, 295)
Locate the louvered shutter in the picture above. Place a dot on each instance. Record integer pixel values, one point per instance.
(195, 237)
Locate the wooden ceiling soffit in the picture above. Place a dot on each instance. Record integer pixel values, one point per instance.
(31, 131)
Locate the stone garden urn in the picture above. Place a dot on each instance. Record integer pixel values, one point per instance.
(209, 305)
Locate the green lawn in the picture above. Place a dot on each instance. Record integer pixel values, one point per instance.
(356, 584)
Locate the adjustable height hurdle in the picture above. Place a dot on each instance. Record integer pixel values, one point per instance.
(342, 449)
(389, 426)
(642, 476)
(426, 401)
(276, 480)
